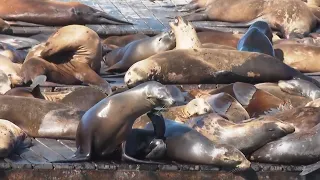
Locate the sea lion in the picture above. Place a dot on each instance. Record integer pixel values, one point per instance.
(177, 95)
(300, 87)
(18, 43)
(254, 40)
(289, 99)
(5, 83)
(219, 37)
(187, 145)
(121, 41)
(93, 139)
(16, 56)
(292, 17)
(4, 26)
(68, 61)
(83, 98)
(314, 103)
(41, 118)
(299, 56)
(12, 138)
(221, 131)
(12, 70)
(308, 115)
(119, 60)
(299, 148)
(54, 13)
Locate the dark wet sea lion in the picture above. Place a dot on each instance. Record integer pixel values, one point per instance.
(299, 148)
(291, 17)
(68, 61)
(119, 60)
(187, 145)
(41, 118)
(83, 98)
(255, 41)
(300, 87)
(107, 124)
(121, 41)
(299, 56)
(247, 136)
(54, 13)
(12, 138)
(274, 89)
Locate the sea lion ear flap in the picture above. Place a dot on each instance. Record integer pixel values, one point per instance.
(244, 92)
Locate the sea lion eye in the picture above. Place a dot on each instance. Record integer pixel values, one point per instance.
(9, 75)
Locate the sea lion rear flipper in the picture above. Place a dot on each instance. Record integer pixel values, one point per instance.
(125, 157)
(310, 168)
(75, 158)
(23, 24)
(105, 18)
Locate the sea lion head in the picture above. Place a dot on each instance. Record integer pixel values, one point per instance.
(158, 93)
(197, 106)
(165, 41)
(263, 27)
(5, 83)
(276, 128)
(140, 72)
(300, 87)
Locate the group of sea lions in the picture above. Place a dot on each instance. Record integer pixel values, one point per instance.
(266, 109)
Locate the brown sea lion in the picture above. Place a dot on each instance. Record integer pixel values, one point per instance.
(41, 118)
(83, 98)
(121, 59)
(299, 56)
(12, 138)
(291, 17)
(121, 41)
(219, 37)
(221, 131)
(103, 127)
(289, 99)
(54, 13)
(68, 61)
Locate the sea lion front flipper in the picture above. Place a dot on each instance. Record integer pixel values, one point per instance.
(244, 92)
(158, 123)
(310, 168)
(77, 157)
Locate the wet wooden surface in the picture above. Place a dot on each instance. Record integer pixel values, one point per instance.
(148, 17)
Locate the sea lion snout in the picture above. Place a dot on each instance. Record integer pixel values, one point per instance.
(287, 128)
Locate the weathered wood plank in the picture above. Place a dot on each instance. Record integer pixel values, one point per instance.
(37, 161)
(17, 162)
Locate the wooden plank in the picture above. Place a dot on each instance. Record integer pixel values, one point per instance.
(72, 146)
(37, 161)
(17, 162)
(56, 146)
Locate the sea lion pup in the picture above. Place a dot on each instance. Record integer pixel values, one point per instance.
(54, 13)
(16, 56)
(274, 89)
(233, 66)
(12, 138)
(12, 70)
(300, 87)
(257, 32)
(68, 61)
(103, 128)
(121, 59)
(41, 118)
(221, 131)
(301, 148)
(292, 17)
(121, 41)
(83, 98)
(181, 142)
(299, 56)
